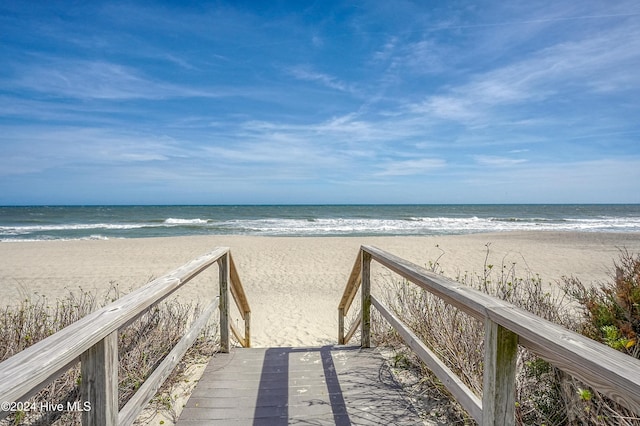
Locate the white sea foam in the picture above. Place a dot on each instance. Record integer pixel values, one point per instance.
(7, 230)
(177, 221)
(423, 226)
(319, 226)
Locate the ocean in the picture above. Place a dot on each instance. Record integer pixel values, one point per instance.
(105, 222)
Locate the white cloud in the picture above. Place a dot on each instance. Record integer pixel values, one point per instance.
(604, 62)
(305, 73)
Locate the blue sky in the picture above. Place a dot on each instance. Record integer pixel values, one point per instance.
(319, 102)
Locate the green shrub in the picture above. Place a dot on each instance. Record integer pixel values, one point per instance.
(611, 311)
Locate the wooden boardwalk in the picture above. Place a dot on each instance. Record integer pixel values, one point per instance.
(329, 385)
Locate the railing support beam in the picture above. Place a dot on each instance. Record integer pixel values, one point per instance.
(99, 383)
(223, 266)
(247, 329)
(499, 381)
(366, 300)
(341, 326)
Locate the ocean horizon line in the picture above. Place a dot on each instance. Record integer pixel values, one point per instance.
(320, 204)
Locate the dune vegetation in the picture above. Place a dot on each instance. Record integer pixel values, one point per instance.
(607, 312)
(141, 346)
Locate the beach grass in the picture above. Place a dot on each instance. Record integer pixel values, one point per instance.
(141, 346)
(546, 395)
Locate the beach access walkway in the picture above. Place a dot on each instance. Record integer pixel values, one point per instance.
(329, 385)
(343, 385)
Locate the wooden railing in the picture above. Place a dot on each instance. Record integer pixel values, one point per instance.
(610, 372)
(93, 341)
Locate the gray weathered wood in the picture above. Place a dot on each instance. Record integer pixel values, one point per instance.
(466, 299)
(99, 382)
(353, 283)
(236, 333)
(30, 370)
(341, 340)
(350, 291)
(612, 373)
(298, 386)
(354, 327)
(465, 396)
(223, 266)
(247, 329)
(237, 290)
(365, 291)
(240, 298)
(499, 375)
(93, 341)
(152, 384)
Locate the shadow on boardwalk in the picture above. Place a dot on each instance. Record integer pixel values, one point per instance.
(329, 385)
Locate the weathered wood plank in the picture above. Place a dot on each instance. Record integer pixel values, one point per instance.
(223, 266)
(466, 299)
(354, 328)
(608, 371)
(365, 291)
(237, 290)
(353, 284)
(99, 384)
(33, 368)
(280, 386)
(236, 333)
(240, 298)
(341, 340)
(150, 387)
(499, 376)
(247, 329)
(350, 291)
(469, 401)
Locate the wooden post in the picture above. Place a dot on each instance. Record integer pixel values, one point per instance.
(223, 266)
(99, 383)
(366, 300)
(341, 326)
(499, 381)
(247, 329)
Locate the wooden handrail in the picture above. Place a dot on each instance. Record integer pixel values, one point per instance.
(350, 291)
(93, 341)
(240, 298)
(609, 371)
(352, 284)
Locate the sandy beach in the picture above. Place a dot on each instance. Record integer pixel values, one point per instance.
(294, 283)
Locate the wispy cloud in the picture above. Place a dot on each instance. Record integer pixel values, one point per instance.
(42, 148)
(306, 73)
(81, 79)
(603, 62)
